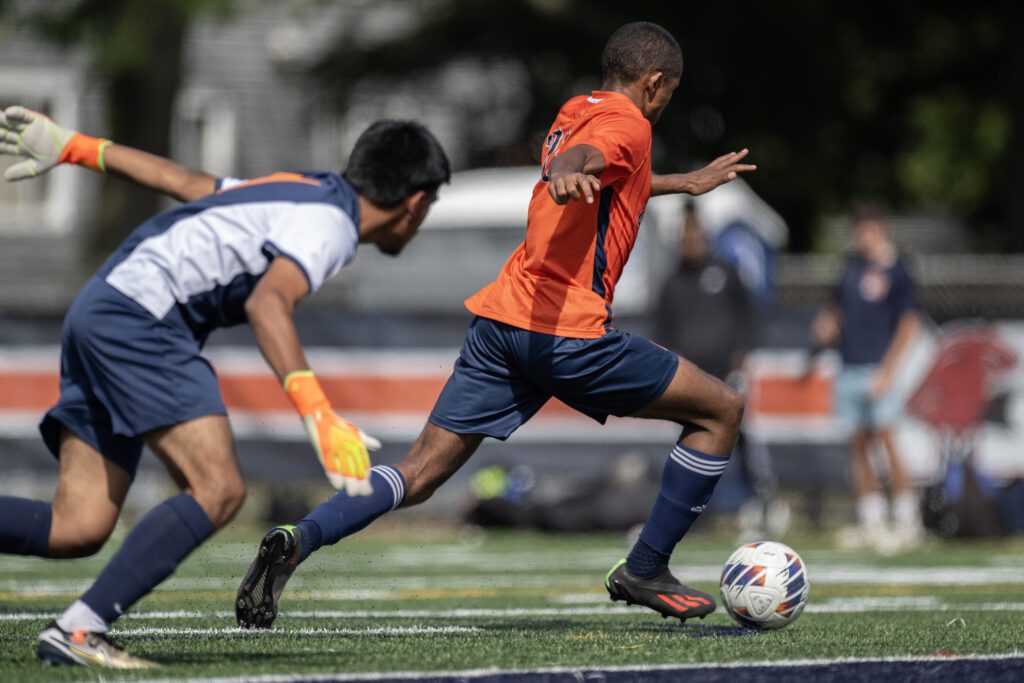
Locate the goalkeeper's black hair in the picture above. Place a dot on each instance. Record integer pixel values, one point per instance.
(636, 49)
(394, 159)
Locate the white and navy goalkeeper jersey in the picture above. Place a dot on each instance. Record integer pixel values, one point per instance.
(204, 258)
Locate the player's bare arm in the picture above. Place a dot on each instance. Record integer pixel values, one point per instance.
(43, 144)
(159, 174)
(270, 308)
(724, 169)
(573, 174)
(339, 444)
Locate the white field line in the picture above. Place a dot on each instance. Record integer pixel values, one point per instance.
(366, 587)
(846, 605)
(249, 633)
(374, 588)
(581, 671)
(922, 603)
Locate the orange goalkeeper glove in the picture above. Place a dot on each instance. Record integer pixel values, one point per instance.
(339, 444)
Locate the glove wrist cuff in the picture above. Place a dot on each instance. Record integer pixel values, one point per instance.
(85, 150)
(304, 391)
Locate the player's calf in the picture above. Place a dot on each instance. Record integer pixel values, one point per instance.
(708, 409)
(433, 459)
(73, 538)
(730, 415)
(78, 529)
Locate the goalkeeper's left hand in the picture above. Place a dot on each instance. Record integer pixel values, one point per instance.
(43, 144)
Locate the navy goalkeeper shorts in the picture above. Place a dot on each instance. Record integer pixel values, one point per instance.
(505, 374)
(123, 373)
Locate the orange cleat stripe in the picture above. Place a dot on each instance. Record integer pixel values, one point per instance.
(688, 603)
(678, 602)
(670, 602)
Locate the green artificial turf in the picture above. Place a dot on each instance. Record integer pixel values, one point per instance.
(423, 599)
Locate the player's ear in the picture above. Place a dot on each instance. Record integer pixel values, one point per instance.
(653, 82)
(415, 202)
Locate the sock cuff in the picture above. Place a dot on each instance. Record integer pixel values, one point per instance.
(193, 516)
(394, 480)
(700, 463)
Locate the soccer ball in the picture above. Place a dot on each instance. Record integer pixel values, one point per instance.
(764, 585)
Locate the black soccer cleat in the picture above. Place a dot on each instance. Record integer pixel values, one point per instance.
(663, 594)
(278, 556)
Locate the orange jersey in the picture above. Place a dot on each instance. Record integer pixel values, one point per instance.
(562, 278)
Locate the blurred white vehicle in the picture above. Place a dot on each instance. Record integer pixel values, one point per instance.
(480, 218)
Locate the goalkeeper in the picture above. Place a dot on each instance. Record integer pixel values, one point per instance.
(132, 372)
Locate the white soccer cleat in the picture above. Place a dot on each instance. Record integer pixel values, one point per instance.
(57, 647)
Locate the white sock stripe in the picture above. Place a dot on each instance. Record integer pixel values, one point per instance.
(386, 476)
(394, 480)
(703, 469)
(701, 459)
(695, 470)
(399, 481)
(699, 466)
(713, 460)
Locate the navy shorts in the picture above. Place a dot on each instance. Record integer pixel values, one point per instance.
(124, 373)
(504, 375)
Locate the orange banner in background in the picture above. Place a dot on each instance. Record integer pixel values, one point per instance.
(369, 393)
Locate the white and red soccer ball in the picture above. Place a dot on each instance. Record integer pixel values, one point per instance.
(764, 585)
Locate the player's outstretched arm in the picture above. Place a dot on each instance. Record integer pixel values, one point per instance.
(720, 171)
(573, 174)
(43, 144)
(340, 446)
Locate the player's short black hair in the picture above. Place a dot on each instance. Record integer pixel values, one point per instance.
(636, 49)
(394, 159)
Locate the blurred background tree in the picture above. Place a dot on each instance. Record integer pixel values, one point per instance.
(920, 103)
(135, 48)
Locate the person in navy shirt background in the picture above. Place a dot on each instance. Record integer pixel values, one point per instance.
(872, 315)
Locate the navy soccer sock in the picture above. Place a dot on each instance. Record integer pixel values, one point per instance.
(150, 554)
(687, 483)
(25, 526)
(343, 515)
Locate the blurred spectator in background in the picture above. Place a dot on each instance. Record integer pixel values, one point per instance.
(873, 315)
(706, 314)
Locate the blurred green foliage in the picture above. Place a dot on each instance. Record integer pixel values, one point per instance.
(920, 103)
(916, 102)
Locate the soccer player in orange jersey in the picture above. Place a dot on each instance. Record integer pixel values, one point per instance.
(544, 329)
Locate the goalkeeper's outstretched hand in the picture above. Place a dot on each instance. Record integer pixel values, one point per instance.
(35, 138)
(42, 144)
(341, 446)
